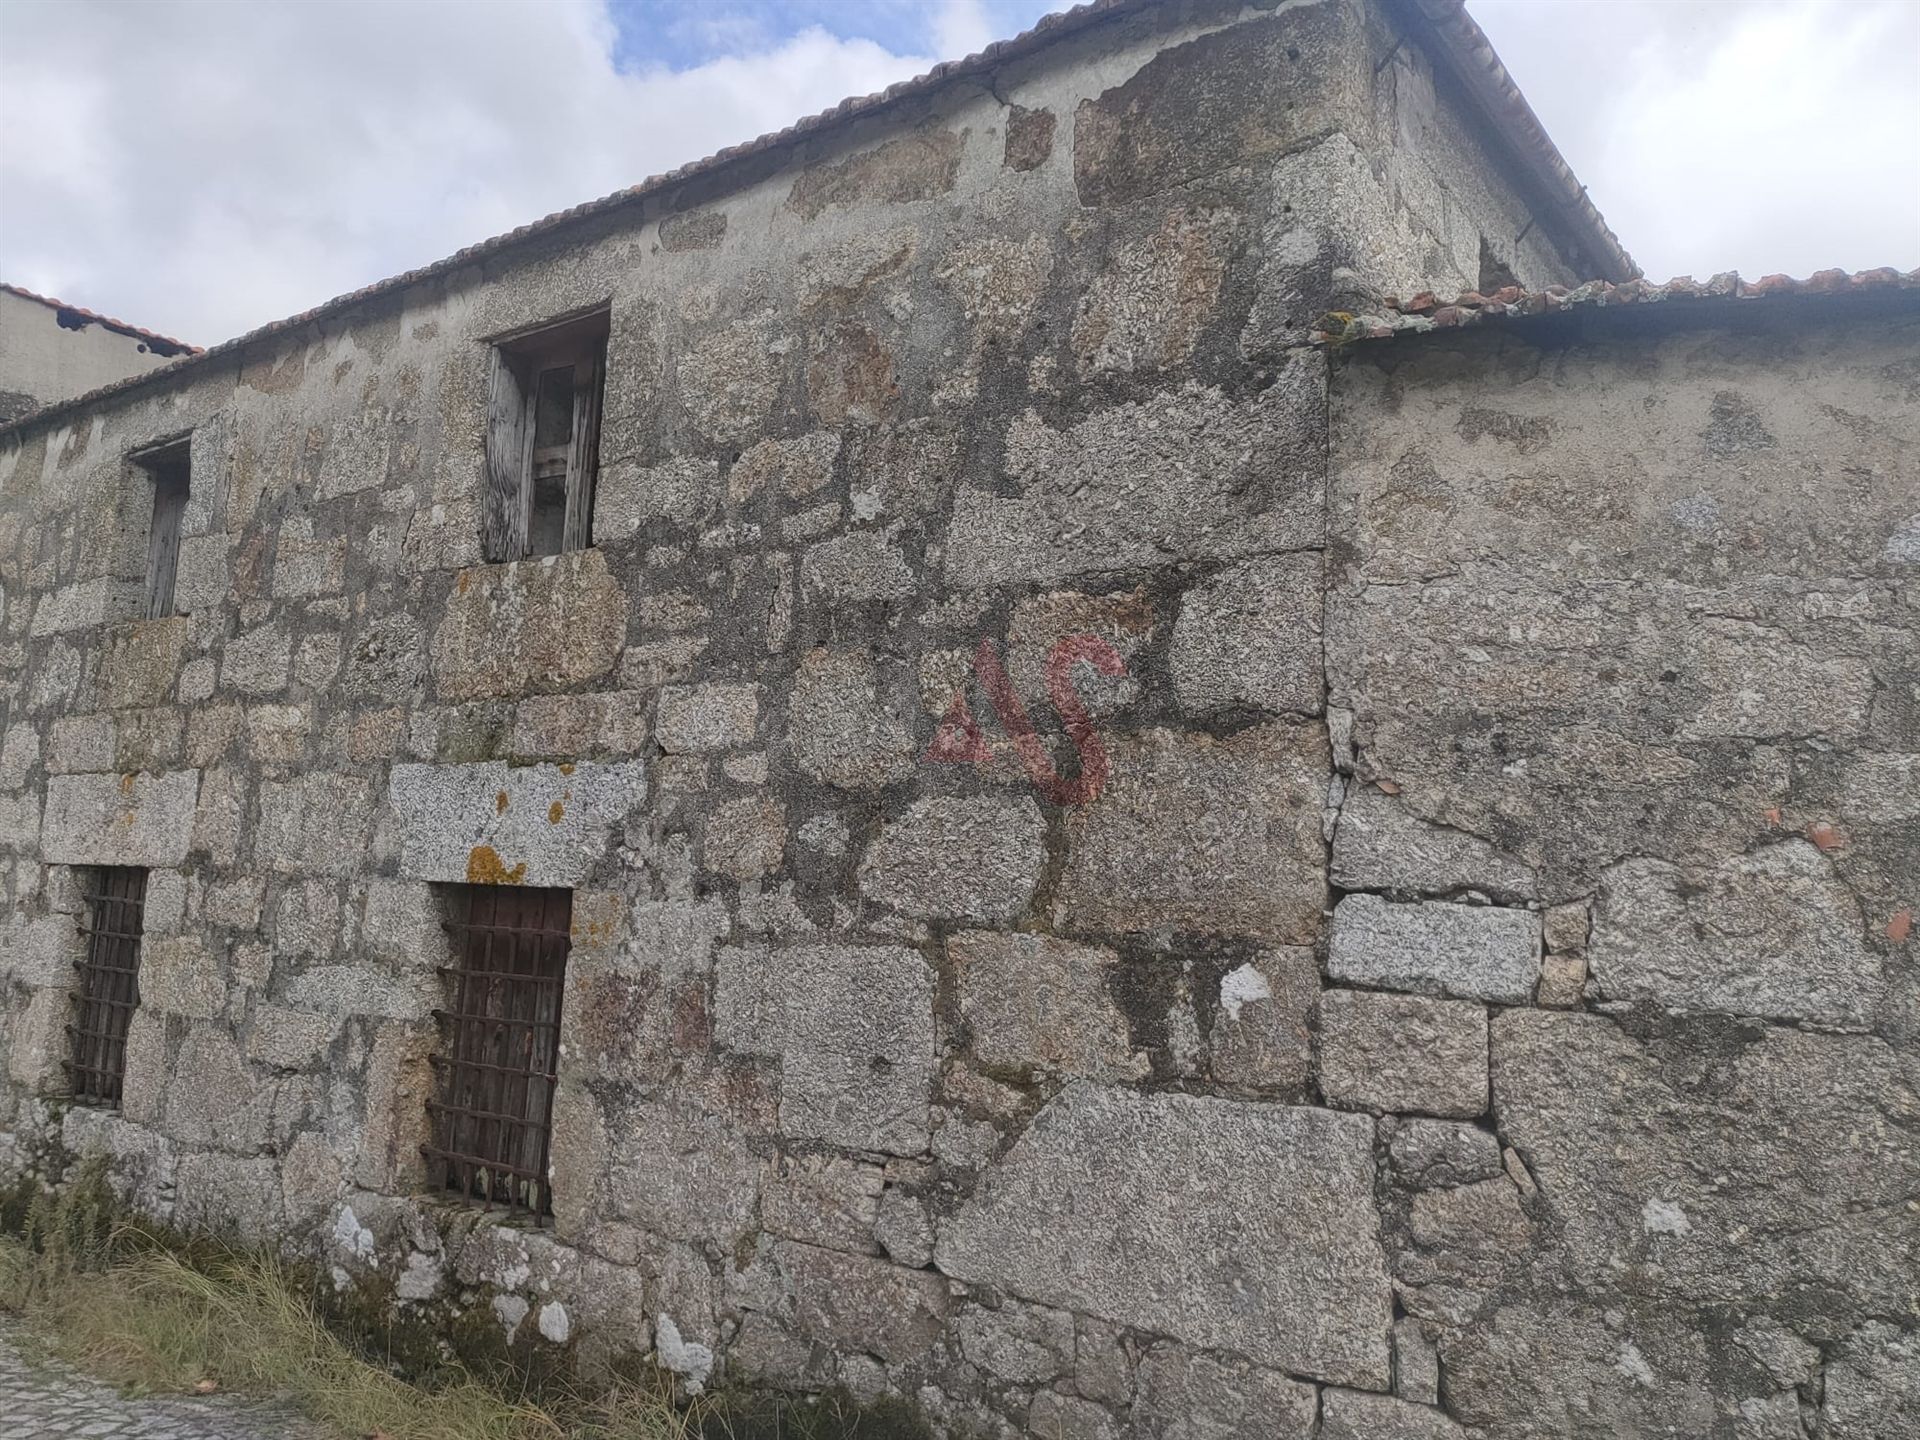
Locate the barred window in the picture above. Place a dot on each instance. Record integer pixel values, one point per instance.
(107, 990)
(500, 1044)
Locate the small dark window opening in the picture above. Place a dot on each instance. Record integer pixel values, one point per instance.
(1495, 273)
(500, 1044)
(107, 990)
(543, 439)
(169, 468)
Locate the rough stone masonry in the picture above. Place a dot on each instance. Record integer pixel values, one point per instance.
(1479, 997)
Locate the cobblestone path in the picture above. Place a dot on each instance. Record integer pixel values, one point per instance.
(45, 1401)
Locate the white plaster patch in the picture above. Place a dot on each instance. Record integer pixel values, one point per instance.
(509, 1310)
(420, 1279)
(686, 1358)
(1904, 543)
(353, 1237)
(1664, 1217)
(554, 1323)
(1242, 987)
(1632, 1364)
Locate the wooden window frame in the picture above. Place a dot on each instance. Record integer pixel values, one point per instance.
(107, 986)
(169, 470)
(513, 464)
(498, 1062)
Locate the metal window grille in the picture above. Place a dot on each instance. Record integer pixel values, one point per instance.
(501, 1042)
(107, 990)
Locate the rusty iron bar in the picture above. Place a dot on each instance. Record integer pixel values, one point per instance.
(106, 987)
(493, 1112)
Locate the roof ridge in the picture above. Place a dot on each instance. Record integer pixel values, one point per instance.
(96, 318)
(1426, 311)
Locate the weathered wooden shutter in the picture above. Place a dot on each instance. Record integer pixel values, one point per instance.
(583, 454)
(504, 524)
(163, 540)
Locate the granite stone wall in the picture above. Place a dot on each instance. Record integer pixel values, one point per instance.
(1131, 876)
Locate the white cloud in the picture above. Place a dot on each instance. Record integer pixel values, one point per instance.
(1761, 136)
(201, 168)
(960, 29)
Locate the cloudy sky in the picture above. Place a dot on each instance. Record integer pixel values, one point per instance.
(203, 166)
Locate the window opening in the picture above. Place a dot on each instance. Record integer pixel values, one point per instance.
(107, 989)
(493, 1111)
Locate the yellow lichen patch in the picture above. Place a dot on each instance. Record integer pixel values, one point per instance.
(500, 803)
(555, 812)
(566, 767)
(485, 867)
(126, 784)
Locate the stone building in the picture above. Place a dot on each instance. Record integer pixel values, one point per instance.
(1066, 809)
(50, 351)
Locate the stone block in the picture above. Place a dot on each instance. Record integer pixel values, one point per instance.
(1189, 1395)
(1064, 1417)
(706, 719)
(286, 1039)
(1230, 97)
(77, 743)
(1355, 1415)
(367, 990)
(904, 1228)
(1026, 1344)
(1403, 1052)
(1194, 833)
(792, 469)
(746, 838)
(1564, 927)
(859, 1305)
(1563, 981)
(552, 624)
(1188, 476)
(1038, 623)
(1437, 1153)
(824, 1200)
(492, 823)
(1416, 1363)
(674, 1164)
(572, 727)
(38, 952)
(1715, 1161)
(1249, 638)
(180, 976)
(843, 728)
(316, 824)
(1262, 1036)
(1381, 845)
(859, 566)
(958, 858)
(139, 819)
(852, 1026)
(1774, 932)
(1035, 1004)
(36, 1038)
(1873, 1386)
(258, 662)
(1481, 952)
(1156, 1211)
(1157, 292)
(19, 754)
(212, 1099)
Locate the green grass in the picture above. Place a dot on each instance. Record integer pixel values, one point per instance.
(153, 1313)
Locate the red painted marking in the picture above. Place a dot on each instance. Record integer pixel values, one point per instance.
(958, 737)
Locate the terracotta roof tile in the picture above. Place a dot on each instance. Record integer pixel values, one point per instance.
(161, 344)
(1426, 312)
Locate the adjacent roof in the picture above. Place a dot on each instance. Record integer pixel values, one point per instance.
(1425, 312)
(158, 344)
(1458, 42)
